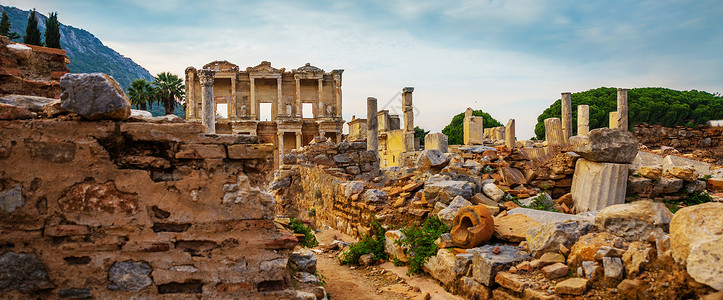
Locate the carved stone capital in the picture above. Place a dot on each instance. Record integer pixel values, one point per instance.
(205, 76)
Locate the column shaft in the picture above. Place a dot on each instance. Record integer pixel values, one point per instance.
(279, 102)
(208, 106)
(372, 125)
(553, 132)
(510, 134)
(622, 109)
(321, 99)
(583, 119)
(298, 140)
(566, 116)
(253, 105)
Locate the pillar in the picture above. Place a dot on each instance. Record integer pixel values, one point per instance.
(510, 134)
(597, 185)
(566, 116)
(190, 99)
(253, 104)
(205, 76)
(408, 108)
(499, 133)
(298, 139)
(622, 119)
(372, 124)
(279, 102)
(583, 119)
(613, 120)
(553, 132)
(320, 107)
(233, 103)
(298, 97)
(280, 145)
(472, 128)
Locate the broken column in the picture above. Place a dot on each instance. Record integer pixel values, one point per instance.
(583, 119)
(613, 120)
(553, 132)
(622, 117)
(437, 141)
(601, 175)
(408, 111)
(510, 134)
(372, 124)
(566, 116)
(208, 119)
(499, 133)
(473, 128)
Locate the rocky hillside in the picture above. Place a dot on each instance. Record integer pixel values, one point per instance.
(86, 52)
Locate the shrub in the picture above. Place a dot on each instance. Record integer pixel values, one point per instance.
(301, 228)
(420, 242)
(371, 243)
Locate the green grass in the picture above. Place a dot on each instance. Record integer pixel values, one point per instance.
(688, 199)
(420, 240)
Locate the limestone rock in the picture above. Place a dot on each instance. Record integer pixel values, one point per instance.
(551, 258)
(634, 221)
(591, 270)
(598, 185)
(555, 270)
(667, 185)
(394, 250)
(705, 261)
(441, 266)
(694, 223)
(23, 272)
(12, 112)
(94, 96)
(366, 259)
(606, 145)
(447, 214)
(32, 103)
(572, 286)
(652, 172)
(492, 191)
(543, 198)
(606, 251)
(636, 258)
(639, 185)
(129, 276)
(545, 217)
(588, 245)
(140, 114)
(353, 187)
(431, 159)
(549, 237)
(631, 289)
(512, 176)
(446, 190)
(12, 199)
(672, 161)
(463, 263)
(302, 260)
(613, 267)
(374, 196)
(511, 281)
(513, 228)
(473, 225)
(688, 174)
(486, 264)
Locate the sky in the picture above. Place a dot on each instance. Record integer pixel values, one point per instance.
(511, 59)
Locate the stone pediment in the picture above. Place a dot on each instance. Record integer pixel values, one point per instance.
(221, 65)
(308, 68)
(265, 67)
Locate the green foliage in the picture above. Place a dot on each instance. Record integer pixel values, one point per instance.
(5, 27)
(688, 199)
(540, 203)
(420, 134)
(645, 105)
(169, 90)
(52, 31)
(142, 94)
(321, 277)
(301, 228)
(420, 242)
(455, 132)
(370, 243)
(32, 33)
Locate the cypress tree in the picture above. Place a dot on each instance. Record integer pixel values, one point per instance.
(52, 31)
(32, 33)
(5, 27)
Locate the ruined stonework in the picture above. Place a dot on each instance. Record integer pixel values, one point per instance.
(31, 70)
(238, 96)
(116, 210)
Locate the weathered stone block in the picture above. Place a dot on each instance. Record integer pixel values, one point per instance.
(446, 190)
(634, 221)
(549, 237)
(487, 263)
(448, 214)
(513, 228)
(572, 286)
(436, 140)
(694, 223)
(598, 185)
(23, 272)
(606, 145)
(201, 151)
(441, 266)
(250, 151)
(12, 199)
(94, 96)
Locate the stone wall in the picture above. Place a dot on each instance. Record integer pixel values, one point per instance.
(121, 209)
(31, 70)
(703, 142)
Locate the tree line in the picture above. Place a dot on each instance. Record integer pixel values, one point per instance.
(166, 89)
(32, 33)
(645, 105)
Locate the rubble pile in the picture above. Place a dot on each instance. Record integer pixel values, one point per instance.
(703, 143)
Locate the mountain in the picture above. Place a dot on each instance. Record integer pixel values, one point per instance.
(87, 53)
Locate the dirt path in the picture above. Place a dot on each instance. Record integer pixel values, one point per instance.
(381, 282)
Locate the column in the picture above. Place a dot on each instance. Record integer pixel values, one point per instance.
(372, 125)
(279, 102)
(281, 143)
(510, 134)
(298, 97)
(622, 119)
(338, 98)
(298, 139)
(408, 108)
(338, 136)
(566, 116)
(190, 99)
(553, 132)
(254, 115)
(613, 120)
(232, 104)
(320, 107)
(205, 76)
(583, 119)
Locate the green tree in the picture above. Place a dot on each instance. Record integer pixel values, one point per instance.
(420, 134)
(5, 27)
(455, 132)
(650, 105)
(141, 94)
(169, 90)
(52, 31)
(32, 33)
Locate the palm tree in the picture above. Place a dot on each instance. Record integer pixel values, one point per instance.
(141, 93)
(170, 89)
